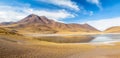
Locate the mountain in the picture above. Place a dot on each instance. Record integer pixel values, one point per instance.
(115, 29)
(41, 24)
(34, 19)
(89, 27)
(6, 23)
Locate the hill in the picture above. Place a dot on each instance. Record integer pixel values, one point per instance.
(41, 24)
(115, 29)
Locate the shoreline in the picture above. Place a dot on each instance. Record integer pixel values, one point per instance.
(91, 43)
(38, 34)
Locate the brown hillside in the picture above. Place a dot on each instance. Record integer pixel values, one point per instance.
(115, 29)
(42, 24)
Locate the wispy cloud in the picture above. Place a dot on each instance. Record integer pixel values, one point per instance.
(94, 1)
(85, 12)
(97, 2)
(10, 13)
(105, 23)
(63, 3)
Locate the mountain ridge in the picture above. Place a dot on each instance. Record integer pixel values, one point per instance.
(35, 23)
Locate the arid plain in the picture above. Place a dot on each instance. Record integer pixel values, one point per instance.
(15, 44)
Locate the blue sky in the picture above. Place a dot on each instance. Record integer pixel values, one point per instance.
(101, 14)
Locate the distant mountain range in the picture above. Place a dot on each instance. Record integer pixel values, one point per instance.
(41, 24)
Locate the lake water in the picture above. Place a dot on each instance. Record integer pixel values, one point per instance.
(89, 38)
(106, 38)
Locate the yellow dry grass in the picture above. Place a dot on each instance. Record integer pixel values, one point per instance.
(19, 46)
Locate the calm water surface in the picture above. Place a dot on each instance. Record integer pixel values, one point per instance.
(106, 38)
(78, 38)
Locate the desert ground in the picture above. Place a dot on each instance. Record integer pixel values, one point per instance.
(19, 46)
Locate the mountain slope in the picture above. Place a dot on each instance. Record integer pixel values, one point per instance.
(115, 29)
(35, 19)
(41, 24)
(89, 27)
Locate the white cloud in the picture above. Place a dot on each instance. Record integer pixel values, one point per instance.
(97, 2)
(56, 15)
(90, 13)
(94, 1)
(10, 13)
(105, 23)
(63, 3)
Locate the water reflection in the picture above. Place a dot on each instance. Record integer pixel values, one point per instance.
(66, 39)
(80, 38)
(106, 38)
(101, 38)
